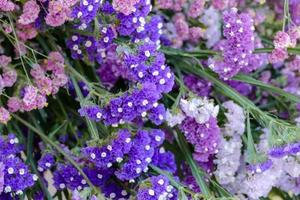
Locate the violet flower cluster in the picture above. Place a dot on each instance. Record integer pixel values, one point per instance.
(149, 100)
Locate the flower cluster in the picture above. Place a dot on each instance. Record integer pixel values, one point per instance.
(282, 41)
(133, 155)
(229, 155)
(156, 187)
(238, 46)
(15, 176)
(48, 78)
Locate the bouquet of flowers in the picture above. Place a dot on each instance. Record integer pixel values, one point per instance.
(149, 99)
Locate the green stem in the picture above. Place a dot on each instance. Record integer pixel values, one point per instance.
(92, 129)
(33, 165)
(196, 171)
(248, 79)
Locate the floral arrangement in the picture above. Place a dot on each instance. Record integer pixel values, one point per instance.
(149, 100)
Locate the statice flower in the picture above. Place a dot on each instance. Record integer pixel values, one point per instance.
(235, 119)
(294, 10)
(46, 162)
(258, 184)
(59, 12)
(211, 18)
(205, 137)
(4, 115)
(289, 184)
(196, 8)
(125, 6)
(174, 118)
(140, 154)
(7, 5)
(228, 159)
(165, 160)
(8, 77)
(223, 4)
(229, 154)
(282, 41)
(201, 109)
(2, 167)
(67, 176)
(238, 45)
(156, 187)
(260, 167)
(113, 152)
(30, 13)
(198, 86)
(16, 175)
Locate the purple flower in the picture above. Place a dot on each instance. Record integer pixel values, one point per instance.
(156, 187)
(164, 160)
(204, 137)
(46, 162)
(200, 87)
(260, 167)
(2, 167)
(238, 46)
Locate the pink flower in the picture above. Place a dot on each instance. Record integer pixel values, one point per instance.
(196, 8)
(165, 4)
(4, 115)
(6, 5)
(195, 33)
(44, 85)
(294, 34)
(58, 13)
(125, 6)
(4, 60)
(178, 5)
(41, 101)
(30, 13)
(9, 77)
(14, 104)
(278, 55)
(29, 98)
(26, 32)
(223, 4)
(282, 40)
(37, 72)
(181, 26)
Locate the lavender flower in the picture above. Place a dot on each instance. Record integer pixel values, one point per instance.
(205, 137)
(46, 162)
(156, 187)
(238, 46)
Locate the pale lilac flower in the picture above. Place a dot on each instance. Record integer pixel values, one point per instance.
(30, 13)
(196, 8)
(174, 118)
(282, 40)
(201, 109)
(4, 115)
(125, 6)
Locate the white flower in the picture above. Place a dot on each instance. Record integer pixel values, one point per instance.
(174, 118)
(211, 18)
(235, 119)
(199, 109)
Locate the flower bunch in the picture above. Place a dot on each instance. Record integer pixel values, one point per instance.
(140, 99)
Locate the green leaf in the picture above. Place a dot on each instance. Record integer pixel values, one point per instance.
(268, 87)
(196, 171)
(182, 195)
